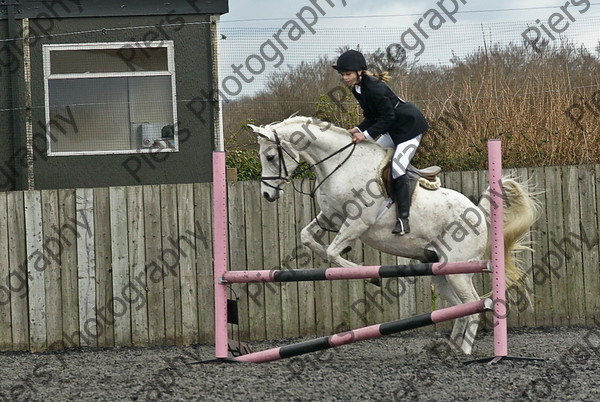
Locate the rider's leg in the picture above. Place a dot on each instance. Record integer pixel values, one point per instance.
(402, 200)
(402, 156)
(385, 140)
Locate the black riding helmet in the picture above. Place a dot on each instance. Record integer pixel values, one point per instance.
(350, 60)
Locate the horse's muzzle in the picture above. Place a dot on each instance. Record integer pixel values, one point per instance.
(270, 198)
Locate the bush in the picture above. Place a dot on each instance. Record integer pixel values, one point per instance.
(544, 106)
(246, 162)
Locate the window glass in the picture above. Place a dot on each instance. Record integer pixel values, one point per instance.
(109, 114)
(113, 100)
(108, 60)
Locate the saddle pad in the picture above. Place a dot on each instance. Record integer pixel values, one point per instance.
(413, 177)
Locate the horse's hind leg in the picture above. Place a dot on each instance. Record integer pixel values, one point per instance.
(458, 289)
(465, 327)
(472, 324)
(447, 292)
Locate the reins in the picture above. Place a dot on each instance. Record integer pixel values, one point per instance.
(283, 167)
(309, 167)
(285, 179)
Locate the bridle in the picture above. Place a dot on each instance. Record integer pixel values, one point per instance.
(284, 175)
(282, 167)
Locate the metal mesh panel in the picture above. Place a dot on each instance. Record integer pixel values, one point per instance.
(509, 79)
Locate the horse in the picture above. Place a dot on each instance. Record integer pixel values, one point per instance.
(446, 225)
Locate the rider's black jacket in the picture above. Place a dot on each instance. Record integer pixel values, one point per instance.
(385, 112)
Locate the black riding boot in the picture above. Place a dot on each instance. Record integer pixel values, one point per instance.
(402, 200)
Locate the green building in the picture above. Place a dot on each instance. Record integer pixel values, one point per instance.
(107, 93)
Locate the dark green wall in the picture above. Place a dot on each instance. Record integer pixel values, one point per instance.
(193, 77)
(12, 112)
(5, 115)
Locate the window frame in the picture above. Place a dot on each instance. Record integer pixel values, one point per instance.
(168, 44)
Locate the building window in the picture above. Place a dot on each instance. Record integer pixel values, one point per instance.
(109, 98)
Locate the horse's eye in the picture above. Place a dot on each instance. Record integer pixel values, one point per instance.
(270, 158)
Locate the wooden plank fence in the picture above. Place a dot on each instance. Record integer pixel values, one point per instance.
(126, 266)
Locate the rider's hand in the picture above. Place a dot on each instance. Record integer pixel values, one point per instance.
(358, 137)
(354, 130)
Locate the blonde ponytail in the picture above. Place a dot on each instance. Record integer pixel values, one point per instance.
(383, 76)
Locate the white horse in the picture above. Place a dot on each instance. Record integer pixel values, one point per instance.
(446, 225)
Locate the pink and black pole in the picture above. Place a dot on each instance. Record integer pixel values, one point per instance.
(222, 277)
(370, 332)
(341, 273)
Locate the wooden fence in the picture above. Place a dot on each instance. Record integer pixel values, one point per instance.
(133, 265)
(105, 267)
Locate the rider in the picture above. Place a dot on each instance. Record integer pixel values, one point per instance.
(398, 123)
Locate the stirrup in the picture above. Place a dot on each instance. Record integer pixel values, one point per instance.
(401, 227)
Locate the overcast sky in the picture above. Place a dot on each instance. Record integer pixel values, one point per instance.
(373, 25)
(474, 11)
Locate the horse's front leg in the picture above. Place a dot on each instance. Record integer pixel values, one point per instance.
(313, 233)
(350, 230)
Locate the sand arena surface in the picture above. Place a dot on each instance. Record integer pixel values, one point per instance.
(416, 365)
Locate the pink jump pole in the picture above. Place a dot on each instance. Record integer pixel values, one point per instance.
(500, 304)
(497, 257)
(370, 332)
(220, 252)
(364, 272)
(219, 204)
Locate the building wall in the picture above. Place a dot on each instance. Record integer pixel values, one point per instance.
(5, 122)
(191, 36)
(11, 68)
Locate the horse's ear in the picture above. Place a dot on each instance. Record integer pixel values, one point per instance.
(263, 132)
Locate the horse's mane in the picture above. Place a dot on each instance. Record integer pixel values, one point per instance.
(313, 120)
(324, 127)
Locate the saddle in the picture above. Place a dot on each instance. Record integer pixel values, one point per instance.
(426, 178)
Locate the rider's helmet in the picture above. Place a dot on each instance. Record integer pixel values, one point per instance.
(350, 60)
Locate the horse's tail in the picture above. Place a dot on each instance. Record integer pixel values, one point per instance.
(521, 210)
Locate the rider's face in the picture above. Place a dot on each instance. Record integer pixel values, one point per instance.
(350, 77)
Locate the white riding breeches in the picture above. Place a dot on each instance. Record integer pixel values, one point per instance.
(402, 155)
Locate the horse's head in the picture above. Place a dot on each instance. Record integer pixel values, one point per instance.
(278, 157)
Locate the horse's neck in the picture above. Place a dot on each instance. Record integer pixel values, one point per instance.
(324, 147)
(326, 150)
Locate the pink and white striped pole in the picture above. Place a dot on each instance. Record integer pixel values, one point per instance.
(497, 251)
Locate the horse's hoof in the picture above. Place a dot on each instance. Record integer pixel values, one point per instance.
(374, 281)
